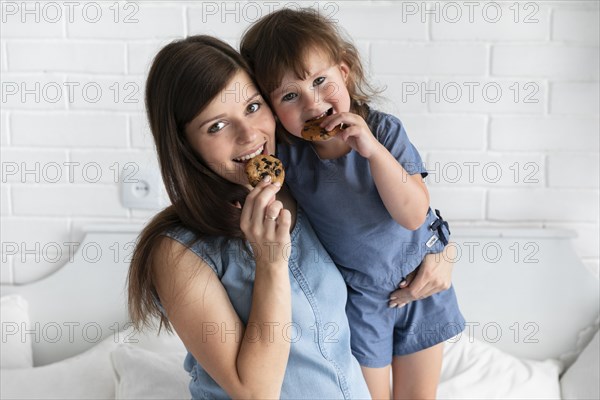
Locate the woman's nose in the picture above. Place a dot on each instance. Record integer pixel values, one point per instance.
(246, 133)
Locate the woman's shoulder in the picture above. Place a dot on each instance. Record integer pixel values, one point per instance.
(172, 227)
(208, 248)
(181, 234)
(166, 237)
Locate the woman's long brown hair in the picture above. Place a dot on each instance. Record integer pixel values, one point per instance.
(183, 79)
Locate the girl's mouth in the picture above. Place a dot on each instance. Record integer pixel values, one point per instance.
(326, 113)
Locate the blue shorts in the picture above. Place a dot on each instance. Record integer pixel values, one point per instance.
(379, 332)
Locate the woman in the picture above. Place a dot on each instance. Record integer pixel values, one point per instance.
(237, 271)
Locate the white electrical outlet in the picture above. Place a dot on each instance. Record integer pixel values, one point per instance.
(141, 189)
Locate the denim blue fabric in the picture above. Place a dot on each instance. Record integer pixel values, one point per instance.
(373, 252)
(380, 332)
(321, 365)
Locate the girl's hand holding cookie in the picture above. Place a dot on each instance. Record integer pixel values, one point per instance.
(355, 132)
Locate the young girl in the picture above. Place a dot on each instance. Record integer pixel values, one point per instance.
(364, 194)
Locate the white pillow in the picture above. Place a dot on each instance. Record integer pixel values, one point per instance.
(142, 374)
(581, 379)
(15, 352)
(149, 339)
(87, 375)
(472, 369)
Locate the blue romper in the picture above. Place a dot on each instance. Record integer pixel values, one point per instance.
(320, 365)
(372, 251)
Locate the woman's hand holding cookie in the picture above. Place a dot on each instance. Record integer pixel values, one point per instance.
(263, 165)
(266, 224)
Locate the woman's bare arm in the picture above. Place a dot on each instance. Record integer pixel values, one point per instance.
(432, 276)
(246, 364)
(246, 361)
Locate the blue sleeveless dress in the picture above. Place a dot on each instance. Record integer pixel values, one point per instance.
(321, 365)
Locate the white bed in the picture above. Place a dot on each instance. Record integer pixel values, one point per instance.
(531, 307)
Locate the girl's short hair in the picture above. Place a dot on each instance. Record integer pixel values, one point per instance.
(279, 42)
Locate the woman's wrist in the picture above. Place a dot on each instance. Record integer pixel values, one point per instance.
(272, 268)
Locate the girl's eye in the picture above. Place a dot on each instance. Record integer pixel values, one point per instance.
(216, 127)
(319, 81)
(252, 108)
(289, 97)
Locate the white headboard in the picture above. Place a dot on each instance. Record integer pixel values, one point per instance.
(84, 301)
(523, 290)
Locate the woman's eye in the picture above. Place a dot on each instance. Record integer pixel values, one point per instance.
(289, 97)
(252, 108)
(318, 81)
(216, 127)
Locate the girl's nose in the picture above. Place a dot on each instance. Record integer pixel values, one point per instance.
(311, 98)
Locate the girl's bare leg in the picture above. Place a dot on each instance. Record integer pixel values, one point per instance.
(378, 381)
(416, 376)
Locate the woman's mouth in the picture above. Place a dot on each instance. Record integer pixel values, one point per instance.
(246, 157)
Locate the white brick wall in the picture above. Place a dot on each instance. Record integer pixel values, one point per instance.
(574, 98)
(69, 129)
(549, 61)
(586, 30)
(547, 133)
(61, 56)
(134, 21)
(417, 59)
(3, 66)
(489, 21)
(533, 205)
(5, 201)
(387, 23)
(501, 98)
(4, 128)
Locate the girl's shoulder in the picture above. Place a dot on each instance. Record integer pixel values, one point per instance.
(377, 117)
(384, 125)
